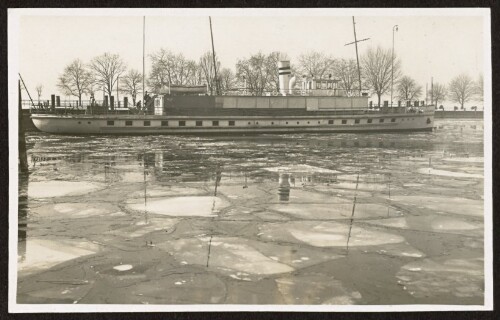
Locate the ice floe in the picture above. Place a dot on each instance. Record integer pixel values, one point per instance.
(49, 189)
(123, 267)
(433, 277)
(225, 254)
(315, 289)
(40, 254)
(202, 206)
(445, 204)
(327, 234)
(329, 211)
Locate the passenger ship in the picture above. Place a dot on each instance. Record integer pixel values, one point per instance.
(318, 106)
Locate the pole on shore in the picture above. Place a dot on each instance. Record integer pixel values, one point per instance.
(23, 158)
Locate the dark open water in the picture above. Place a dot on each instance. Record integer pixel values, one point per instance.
(140, 219)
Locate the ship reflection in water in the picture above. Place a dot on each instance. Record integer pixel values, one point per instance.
(284, 187)
(259, 219)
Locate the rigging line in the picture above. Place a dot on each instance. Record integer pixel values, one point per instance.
(29, 95)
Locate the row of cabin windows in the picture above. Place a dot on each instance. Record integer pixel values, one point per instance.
(231, 123)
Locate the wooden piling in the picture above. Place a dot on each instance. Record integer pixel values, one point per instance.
(52, 102)
(112, 102)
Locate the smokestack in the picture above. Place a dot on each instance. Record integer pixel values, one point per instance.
(291, 84)
(284, 76)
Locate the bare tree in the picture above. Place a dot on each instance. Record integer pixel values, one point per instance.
(407, 89)
(227, 80)
(206, 66)
(346, 71)
(315, 64)
(75, 80)
(107, 68)
(39, 89)
(377, 66)
(131, 84)
(461, 89)
(258, 73)
(438, 93)
(171, 69)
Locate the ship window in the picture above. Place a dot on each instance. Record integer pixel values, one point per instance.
(298, 122)
(393, 120)
(308, 122)
(88, 122)
(356, 121)
(380, 120)
(319, 122)
(164, 123)
(369, 120)
(272, 122)
(344, 121)
(287, 122)
(147, 123)
(182, 123)
(231, 123)
(79, 122)
(330, 121)
(199, 123)
(215, 123)
(128, 122)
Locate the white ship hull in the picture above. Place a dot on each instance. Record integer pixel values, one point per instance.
(150, 124)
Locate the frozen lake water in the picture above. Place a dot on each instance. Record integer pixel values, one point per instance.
(268, 219)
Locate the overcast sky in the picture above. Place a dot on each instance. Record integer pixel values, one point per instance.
(428, 45)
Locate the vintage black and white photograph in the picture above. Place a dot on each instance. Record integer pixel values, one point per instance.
(250, 159)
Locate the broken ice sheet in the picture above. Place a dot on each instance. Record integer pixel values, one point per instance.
(143, 227)
(445, 173)
(178, 288)
(167, 191)
(42, 254)
(226, 254)
(326, 234)
(399, 222)
(445, 204)
(330, 211)
(315, 289)
(68, 210)
(433, 277)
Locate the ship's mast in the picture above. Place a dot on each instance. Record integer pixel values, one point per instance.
(213, 56)
(143, 57)
(357, 56)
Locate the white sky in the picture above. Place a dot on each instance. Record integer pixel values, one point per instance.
(428, 45)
